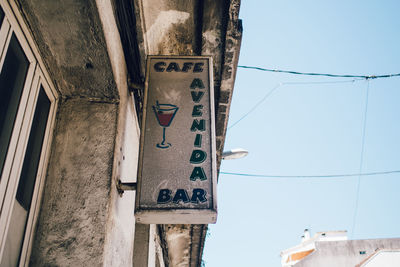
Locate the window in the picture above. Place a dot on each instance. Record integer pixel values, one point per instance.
(27, 108)
(12, 80)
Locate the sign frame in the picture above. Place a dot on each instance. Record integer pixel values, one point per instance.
(158, 214)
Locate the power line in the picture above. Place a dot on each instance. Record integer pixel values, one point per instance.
(361, 158)
(256, 105)
(330, 82)
(269, 93)
(323, 74)
(313, 176)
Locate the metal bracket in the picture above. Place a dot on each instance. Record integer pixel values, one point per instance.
(121, 187)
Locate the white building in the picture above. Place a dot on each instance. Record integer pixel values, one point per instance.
(332, 248)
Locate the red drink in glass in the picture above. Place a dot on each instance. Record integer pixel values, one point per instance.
(164, 119)
(165, 113)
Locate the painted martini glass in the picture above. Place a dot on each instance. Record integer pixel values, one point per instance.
(165, 113)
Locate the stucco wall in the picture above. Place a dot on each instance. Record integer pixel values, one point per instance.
(71, 225)
(83, 219)
(71, 42)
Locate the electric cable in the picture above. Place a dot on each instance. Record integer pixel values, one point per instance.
(256, 105)
(326, 82)
(322, 74)
(312, 176)
(269, 93)
(361, 158)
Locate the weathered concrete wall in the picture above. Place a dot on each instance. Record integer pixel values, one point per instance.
(346, 253)
(223, 96)
(141, 252)
(168, 27)
(71, 226)
(118, 249)
(94, 147)
(71, 41)
(83, 219)
(213, 36)
(145, 246)
(120, 233)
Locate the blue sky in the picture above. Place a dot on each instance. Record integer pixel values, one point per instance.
(310, 126)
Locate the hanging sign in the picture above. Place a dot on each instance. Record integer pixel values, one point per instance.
(177, 160)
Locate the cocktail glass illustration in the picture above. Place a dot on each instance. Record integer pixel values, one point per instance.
(165, 113)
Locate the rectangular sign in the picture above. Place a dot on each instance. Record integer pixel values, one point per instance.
(177, 161)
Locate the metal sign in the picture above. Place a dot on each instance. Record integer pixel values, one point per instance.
(177, 161)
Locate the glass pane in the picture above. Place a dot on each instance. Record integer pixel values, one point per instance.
(12, 79)
(32, 155)
(16, 232)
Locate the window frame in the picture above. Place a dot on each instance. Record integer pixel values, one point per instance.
(36, 78)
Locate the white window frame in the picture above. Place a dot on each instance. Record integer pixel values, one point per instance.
(36, 78)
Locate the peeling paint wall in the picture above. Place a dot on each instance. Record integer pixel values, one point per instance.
(178, 239)
(169, 27)
(233, 40)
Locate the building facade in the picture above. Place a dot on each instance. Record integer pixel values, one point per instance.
(72, 81)
(332, 248)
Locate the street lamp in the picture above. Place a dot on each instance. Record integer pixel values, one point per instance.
(235, 153)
